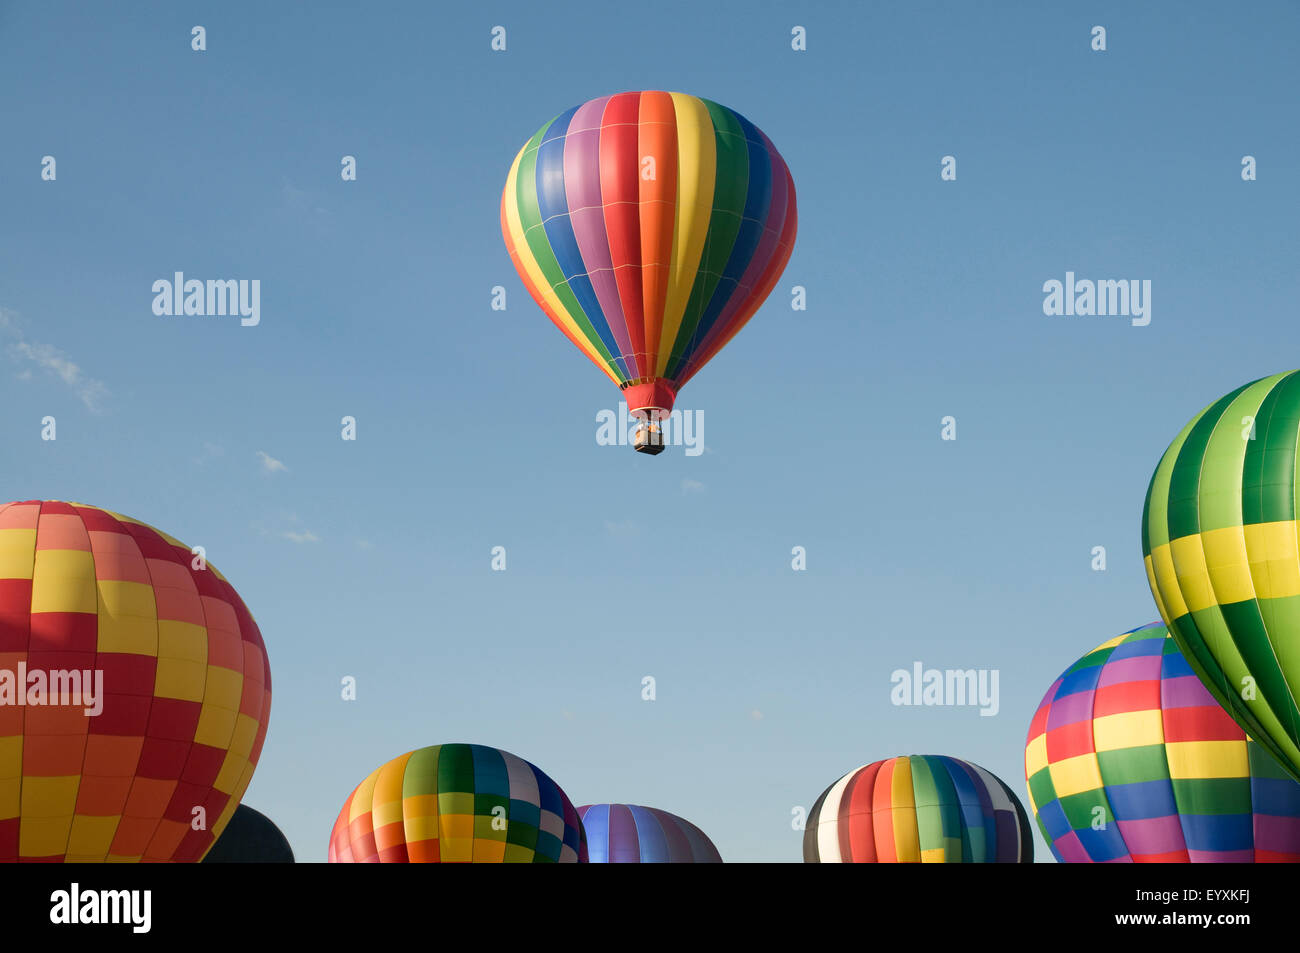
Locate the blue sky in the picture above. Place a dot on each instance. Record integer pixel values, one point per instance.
(476, 428)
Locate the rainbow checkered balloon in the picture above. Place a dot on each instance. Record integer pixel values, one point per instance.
(1129, 759)
(458, 803)
(182, 700)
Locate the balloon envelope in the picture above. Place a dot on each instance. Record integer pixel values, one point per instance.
(1219, 537)
(649, 226)
(186, 690)
(919, 808)
(250, 838)
(458, 803)
(631, 834)
(1130, 759)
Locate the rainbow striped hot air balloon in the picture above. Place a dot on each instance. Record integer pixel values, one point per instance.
(921, 808)
(1219, 537)
(457, 803)
(1130, 759)
(649, 226)
(186, 690)
(631, 834)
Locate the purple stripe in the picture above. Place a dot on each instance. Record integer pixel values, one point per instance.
(1070, 709)
(1185, 691)
(1153, 835)
(624, 845)
(1280, 834)
(1071, 849)
(587, 214)
(1144, 668)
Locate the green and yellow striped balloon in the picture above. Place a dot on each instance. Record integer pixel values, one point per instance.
(1219, 537)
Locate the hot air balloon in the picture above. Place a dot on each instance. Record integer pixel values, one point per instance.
(92, 599)
(458, 803)
(649, 226)
(250, 838)
(1130, 759)
(1219, 537)
(921, 808)
(631, 834)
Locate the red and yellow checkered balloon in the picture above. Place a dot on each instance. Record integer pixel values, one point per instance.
(99, 611)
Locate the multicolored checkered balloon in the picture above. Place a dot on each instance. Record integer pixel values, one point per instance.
(178, 681)
(1130, 759)
(1219, 534)
(922, 808)
(458, 803)
(632, 834)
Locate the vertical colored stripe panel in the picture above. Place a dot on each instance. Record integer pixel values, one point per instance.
(583, 161)
(534, 280)
(733, 315)
(527, 203)
(696, 179)
(765, 285)
(658, 194)
(757, 178)
(731, 187)
(557, 232)
(624, 214)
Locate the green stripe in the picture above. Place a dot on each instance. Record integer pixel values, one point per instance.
(1210, 796)
(1133, 765)
(1041, 792)
(730, 188)
(1185, 478)
(530, 220)
(1268, 474)
(456, 770)
(932, 826)
(1218, 498)
(421, 774)
(1155, 511)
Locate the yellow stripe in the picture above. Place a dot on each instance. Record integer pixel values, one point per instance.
(1036, 755)
(1128, 730)
(1274, 559)
(1158, 592)
(697, 162)
(1208, 759)
(1111, 643)
(1223, 566)
(524, 256)
(907, 834)
(17, 553)
(1075, 775)
(362, 797)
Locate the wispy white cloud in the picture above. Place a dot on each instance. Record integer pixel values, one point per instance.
(624, 528)
(50, 359)
(692, 486)
(270, 464)
(304, 537)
